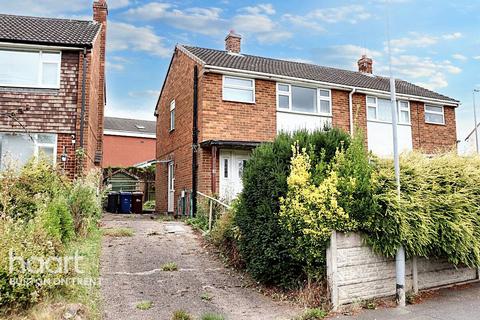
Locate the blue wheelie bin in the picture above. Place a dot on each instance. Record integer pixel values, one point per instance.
(125, 202)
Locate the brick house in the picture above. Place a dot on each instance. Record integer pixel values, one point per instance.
(128, 142)
(52, 89)
(224, 103)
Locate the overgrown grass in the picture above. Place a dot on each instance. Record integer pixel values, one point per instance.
(54, 304)
(169, 266)
(313, 314)
(118, 232)
(145, 305)
(206, 296)
(181, 315)
(212, 316)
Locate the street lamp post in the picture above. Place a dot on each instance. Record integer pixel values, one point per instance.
(475, 119)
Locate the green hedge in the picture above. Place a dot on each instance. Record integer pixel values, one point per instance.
(263, 243)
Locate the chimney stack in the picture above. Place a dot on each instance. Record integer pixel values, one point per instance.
(365, 64)
(233, 42)
(100, 14)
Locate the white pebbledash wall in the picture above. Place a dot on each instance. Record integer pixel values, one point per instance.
(356, 273)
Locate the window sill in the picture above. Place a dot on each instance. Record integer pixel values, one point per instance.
(236, 101)
(436, 123)
(29, 90)
(306, 113)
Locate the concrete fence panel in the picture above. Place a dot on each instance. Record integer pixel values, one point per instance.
(356, 273)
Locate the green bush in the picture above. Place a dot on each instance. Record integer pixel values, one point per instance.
(25, 241)
(57, 220)
(263, 242)
(85, 203)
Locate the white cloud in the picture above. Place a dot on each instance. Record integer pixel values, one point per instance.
(476, 57)
(346, 56)
(200, 20)
(459, 56)
(266, 8)
(124, 36)
(348, 14)
(424, 71)
(301, 60)
(418, 40)
(257, 22)
(48, 8)
(452, 36)
(117, 63)
(303, 22)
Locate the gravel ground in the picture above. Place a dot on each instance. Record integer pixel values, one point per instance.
(131, 273)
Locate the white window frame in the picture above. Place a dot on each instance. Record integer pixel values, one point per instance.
(319, 99)
(40, 69)
(172, 115)
(434, 112)
(399, 109)
(252, 88)
(38, 145)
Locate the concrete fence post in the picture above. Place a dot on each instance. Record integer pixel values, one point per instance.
(332, 270)
(414, 275)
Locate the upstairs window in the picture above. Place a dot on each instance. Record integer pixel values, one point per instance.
(304, 99)
(238, 89)
(172, 115)
(32, 69)
(381, 110)
(434, 114)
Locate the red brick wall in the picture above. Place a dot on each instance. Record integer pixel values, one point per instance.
(234, 120)
(64, 141)
(340, 110)
(119, 151)
(177, 144)
(431, 138)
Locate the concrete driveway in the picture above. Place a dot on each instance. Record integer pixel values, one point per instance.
(457, 303)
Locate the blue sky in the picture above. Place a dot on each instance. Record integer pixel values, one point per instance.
(435, 43)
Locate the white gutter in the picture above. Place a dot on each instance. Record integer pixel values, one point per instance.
(350, 107)
(108, 132)
(12, 45)
(269, 76)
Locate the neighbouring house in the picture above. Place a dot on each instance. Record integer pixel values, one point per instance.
(215, 106)
(52, 89)
(128, 142)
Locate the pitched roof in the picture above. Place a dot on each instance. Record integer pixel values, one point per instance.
(130, 125)
(245, 62)
(48, 31)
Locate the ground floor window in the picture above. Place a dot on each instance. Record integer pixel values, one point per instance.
(16, 149)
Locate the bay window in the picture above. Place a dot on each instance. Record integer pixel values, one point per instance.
(303, 99)
(434, 114)
(16, 149)
(238, 89)
(381, 110)
(35, 69)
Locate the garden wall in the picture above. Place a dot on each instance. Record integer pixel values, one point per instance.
(355, 272)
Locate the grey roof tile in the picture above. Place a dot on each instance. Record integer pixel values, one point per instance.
(307, 71)
(48, 31)
(130, 125)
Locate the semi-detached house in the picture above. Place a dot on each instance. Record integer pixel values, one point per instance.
(52, 89)
(217, 105)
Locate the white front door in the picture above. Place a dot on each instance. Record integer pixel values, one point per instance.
(232, 163)
(171, 186)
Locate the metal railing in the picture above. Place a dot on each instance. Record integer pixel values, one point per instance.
(211, 200)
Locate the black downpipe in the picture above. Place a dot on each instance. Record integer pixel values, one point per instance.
(195, 141)
(82, 114)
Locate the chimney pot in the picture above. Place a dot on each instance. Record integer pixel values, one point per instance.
(233, 42)
(365, 64)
